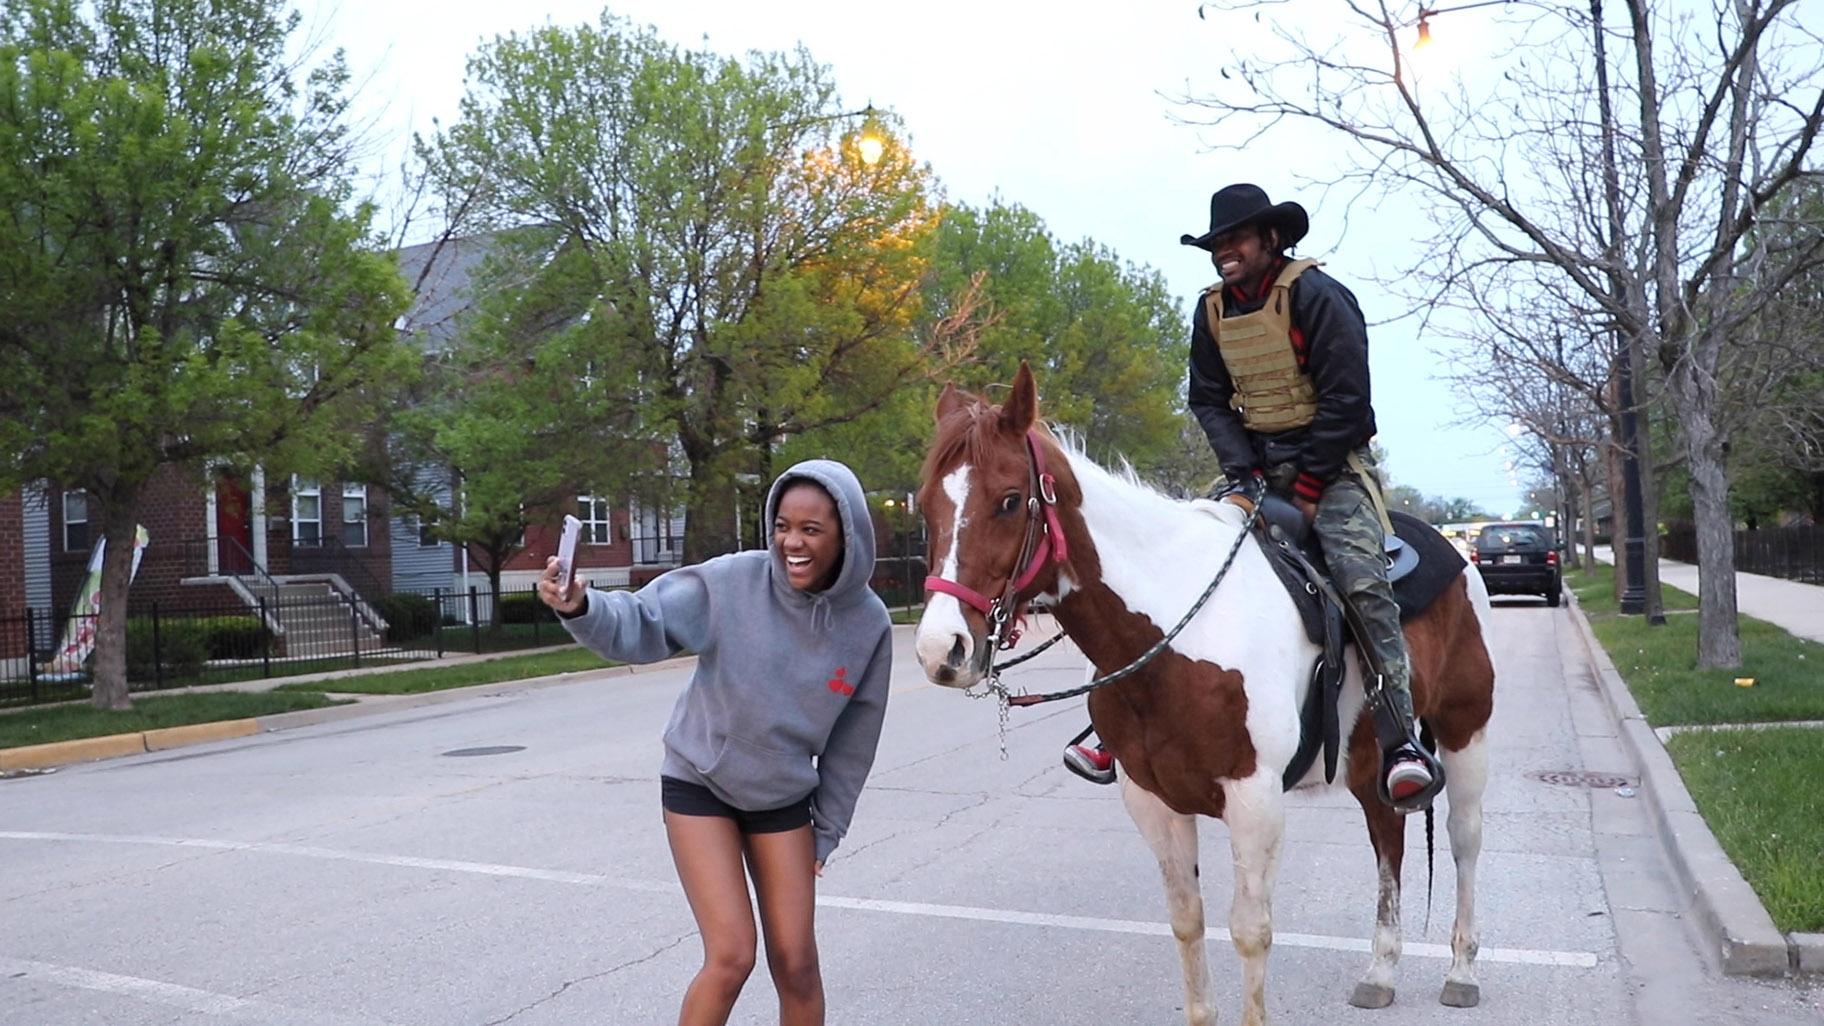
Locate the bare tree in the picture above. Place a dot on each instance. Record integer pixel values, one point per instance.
(1636, 186)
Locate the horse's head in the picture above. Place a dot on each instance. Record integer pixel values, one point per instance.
(992, 485)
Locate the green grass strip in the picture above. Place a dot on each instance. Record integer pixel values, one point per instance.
(1759, 791)
(69, 722)
(1660, 664)
(438, 678)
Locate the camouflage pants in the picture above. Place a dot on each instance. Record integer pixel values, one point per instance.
(1350, 532)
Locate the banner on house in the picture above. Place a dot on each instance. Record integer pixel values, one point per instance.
(79, 631)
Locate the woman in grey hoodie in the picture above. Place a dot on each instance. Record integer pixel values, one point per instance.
(769, 744)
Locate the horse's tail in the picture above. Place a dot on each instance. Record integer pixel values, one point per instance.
(1429, 741)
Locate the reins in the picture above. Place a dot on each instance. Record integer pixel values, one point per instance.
(994, 684)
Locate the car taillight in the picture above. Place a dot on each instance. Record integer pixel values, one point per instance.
(1474, 556)
(1551, 559)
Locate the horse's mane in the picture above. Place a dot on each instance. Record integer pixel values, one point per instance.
(1124, 476)
(964, 435)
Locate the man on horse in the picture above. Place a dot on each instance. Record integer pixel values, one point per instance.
(1279, 383)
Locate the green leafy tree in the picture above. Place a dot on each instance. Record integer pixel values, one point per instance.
(182, 278)
(1104, 336)
(753, 278)
(514, 418)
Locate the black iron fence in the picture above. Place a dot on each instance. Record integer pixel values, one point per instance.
(283, 633)
(280, 635)
(1794, 553)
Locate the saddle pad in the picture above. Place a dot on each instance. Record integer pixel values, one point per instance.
(1439, 564)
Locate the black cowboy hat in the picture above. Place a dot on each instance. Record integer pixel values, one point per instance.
(1242, 204)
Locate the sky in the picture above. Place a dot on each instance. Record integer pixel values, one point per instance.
(1072, 115)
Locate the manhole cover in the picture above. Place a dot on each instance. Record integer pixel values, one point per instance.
(1579, 778)
(488, 750)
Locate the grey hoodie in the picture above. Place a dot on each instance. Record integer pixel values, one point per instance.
(783, 677)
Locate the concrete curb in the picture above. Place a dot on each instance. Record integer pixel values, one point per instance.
(113, 746)
(1727, 911)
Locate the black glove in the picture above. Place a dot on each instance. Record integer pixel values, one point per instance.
(1251, 486)
(1280, 478)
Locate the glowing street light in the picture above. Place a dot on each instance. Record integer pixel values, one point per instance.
(1426, 14)
(871, 148)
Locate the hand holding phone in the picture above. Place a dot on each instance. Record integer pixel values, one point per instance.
(566, 555)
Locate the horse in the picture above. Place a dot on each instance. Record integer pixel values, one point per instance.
(1209, 725)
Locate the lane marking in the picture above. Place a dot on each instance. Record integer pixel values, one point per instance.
(159, 992)
(1013, 917)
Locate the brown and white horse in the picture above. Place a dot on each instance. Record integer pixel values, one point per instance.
(1209, 725)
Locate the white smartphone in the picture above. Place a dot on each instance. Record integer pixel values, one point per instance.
(566, 553)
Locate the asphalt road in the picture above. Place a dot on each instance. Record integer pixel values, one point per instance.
(367, 873)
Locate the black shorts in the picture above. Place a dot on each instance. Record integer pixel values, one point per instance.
(687, 799)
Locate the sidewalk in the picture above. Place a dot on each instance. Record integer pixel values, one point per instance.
(1796, 607)
(1725, 907)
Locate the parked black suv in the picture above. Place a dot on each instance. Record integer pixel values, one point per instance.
(1519, 559)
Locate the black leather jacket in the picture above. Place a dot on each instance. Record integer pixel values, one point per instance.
(1326, 316)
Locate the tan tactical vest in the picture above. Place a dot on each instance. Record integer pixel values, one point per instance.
(1272, 393)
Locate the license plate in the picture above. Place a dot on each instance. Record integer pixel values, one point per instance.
(1510, 559)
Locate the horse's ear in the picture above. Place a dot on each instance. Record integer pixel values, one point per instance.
(949, 402)
(1022, 406)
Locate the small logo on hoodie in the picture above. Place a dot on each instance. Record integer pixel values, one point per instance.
(839, 684)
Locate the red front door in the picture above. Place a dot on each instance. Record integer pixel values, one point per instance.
(233, 526)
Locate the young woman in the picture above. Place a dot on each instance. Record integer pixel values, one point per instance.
(769, 744)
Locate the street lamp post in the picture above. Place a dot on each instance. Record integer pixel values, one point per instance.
(871, 146)
(1634, 546)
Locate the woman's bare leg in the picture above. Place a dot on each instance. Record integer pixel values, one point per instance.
(781, 867)
(707, 853)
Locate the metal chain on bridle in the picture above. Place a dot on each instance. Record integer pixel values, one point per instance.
(992, 684)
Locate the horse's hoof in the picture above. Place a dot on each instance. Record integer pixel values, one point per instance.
(1371, 995)
(1461, 995)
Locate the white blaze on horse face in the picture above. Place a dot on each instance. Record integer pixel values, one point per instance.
(943, 621)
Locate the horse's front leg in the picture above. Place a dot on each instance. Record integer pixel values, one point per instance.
(1173, 838)
(1255, 812)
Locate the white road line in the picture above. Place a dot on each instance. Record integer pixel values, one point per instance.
(1516, 956)
(174, 995)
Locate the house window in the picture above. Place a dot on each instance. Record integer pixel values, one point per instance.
(427, 535)
(596, 528)
(354, 516)
(306, 512)
(76, 521)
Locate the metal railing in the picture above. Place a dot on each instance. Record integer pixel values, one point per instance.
(172, 644)
(276, 637)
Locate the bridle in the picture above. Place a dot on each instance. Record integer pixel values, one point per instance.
(1043, 544)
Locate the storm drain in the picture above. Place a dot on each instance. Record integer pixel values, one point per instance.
(487, 750)
(1580, 778)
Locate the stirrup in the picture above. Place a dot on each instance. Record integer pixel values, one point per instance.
(1080, 762)
(1415, 754)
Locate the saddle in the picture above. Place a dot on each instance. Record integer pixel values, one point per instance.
(1421, 563)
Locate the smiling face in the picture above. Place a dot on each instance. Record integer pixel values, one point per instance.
(1242, 256)
(807, 532)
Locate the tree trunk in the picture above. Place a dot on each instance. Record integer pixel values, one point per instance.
(1586, 496)
(1719, 642)
(709, 524)
(494, 618)
(119, 526)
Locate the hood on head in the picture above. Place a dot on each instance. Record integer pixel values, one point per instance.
(851, 508)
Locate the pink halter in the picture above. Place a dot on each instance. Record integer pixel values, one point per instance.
(1043, 543)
